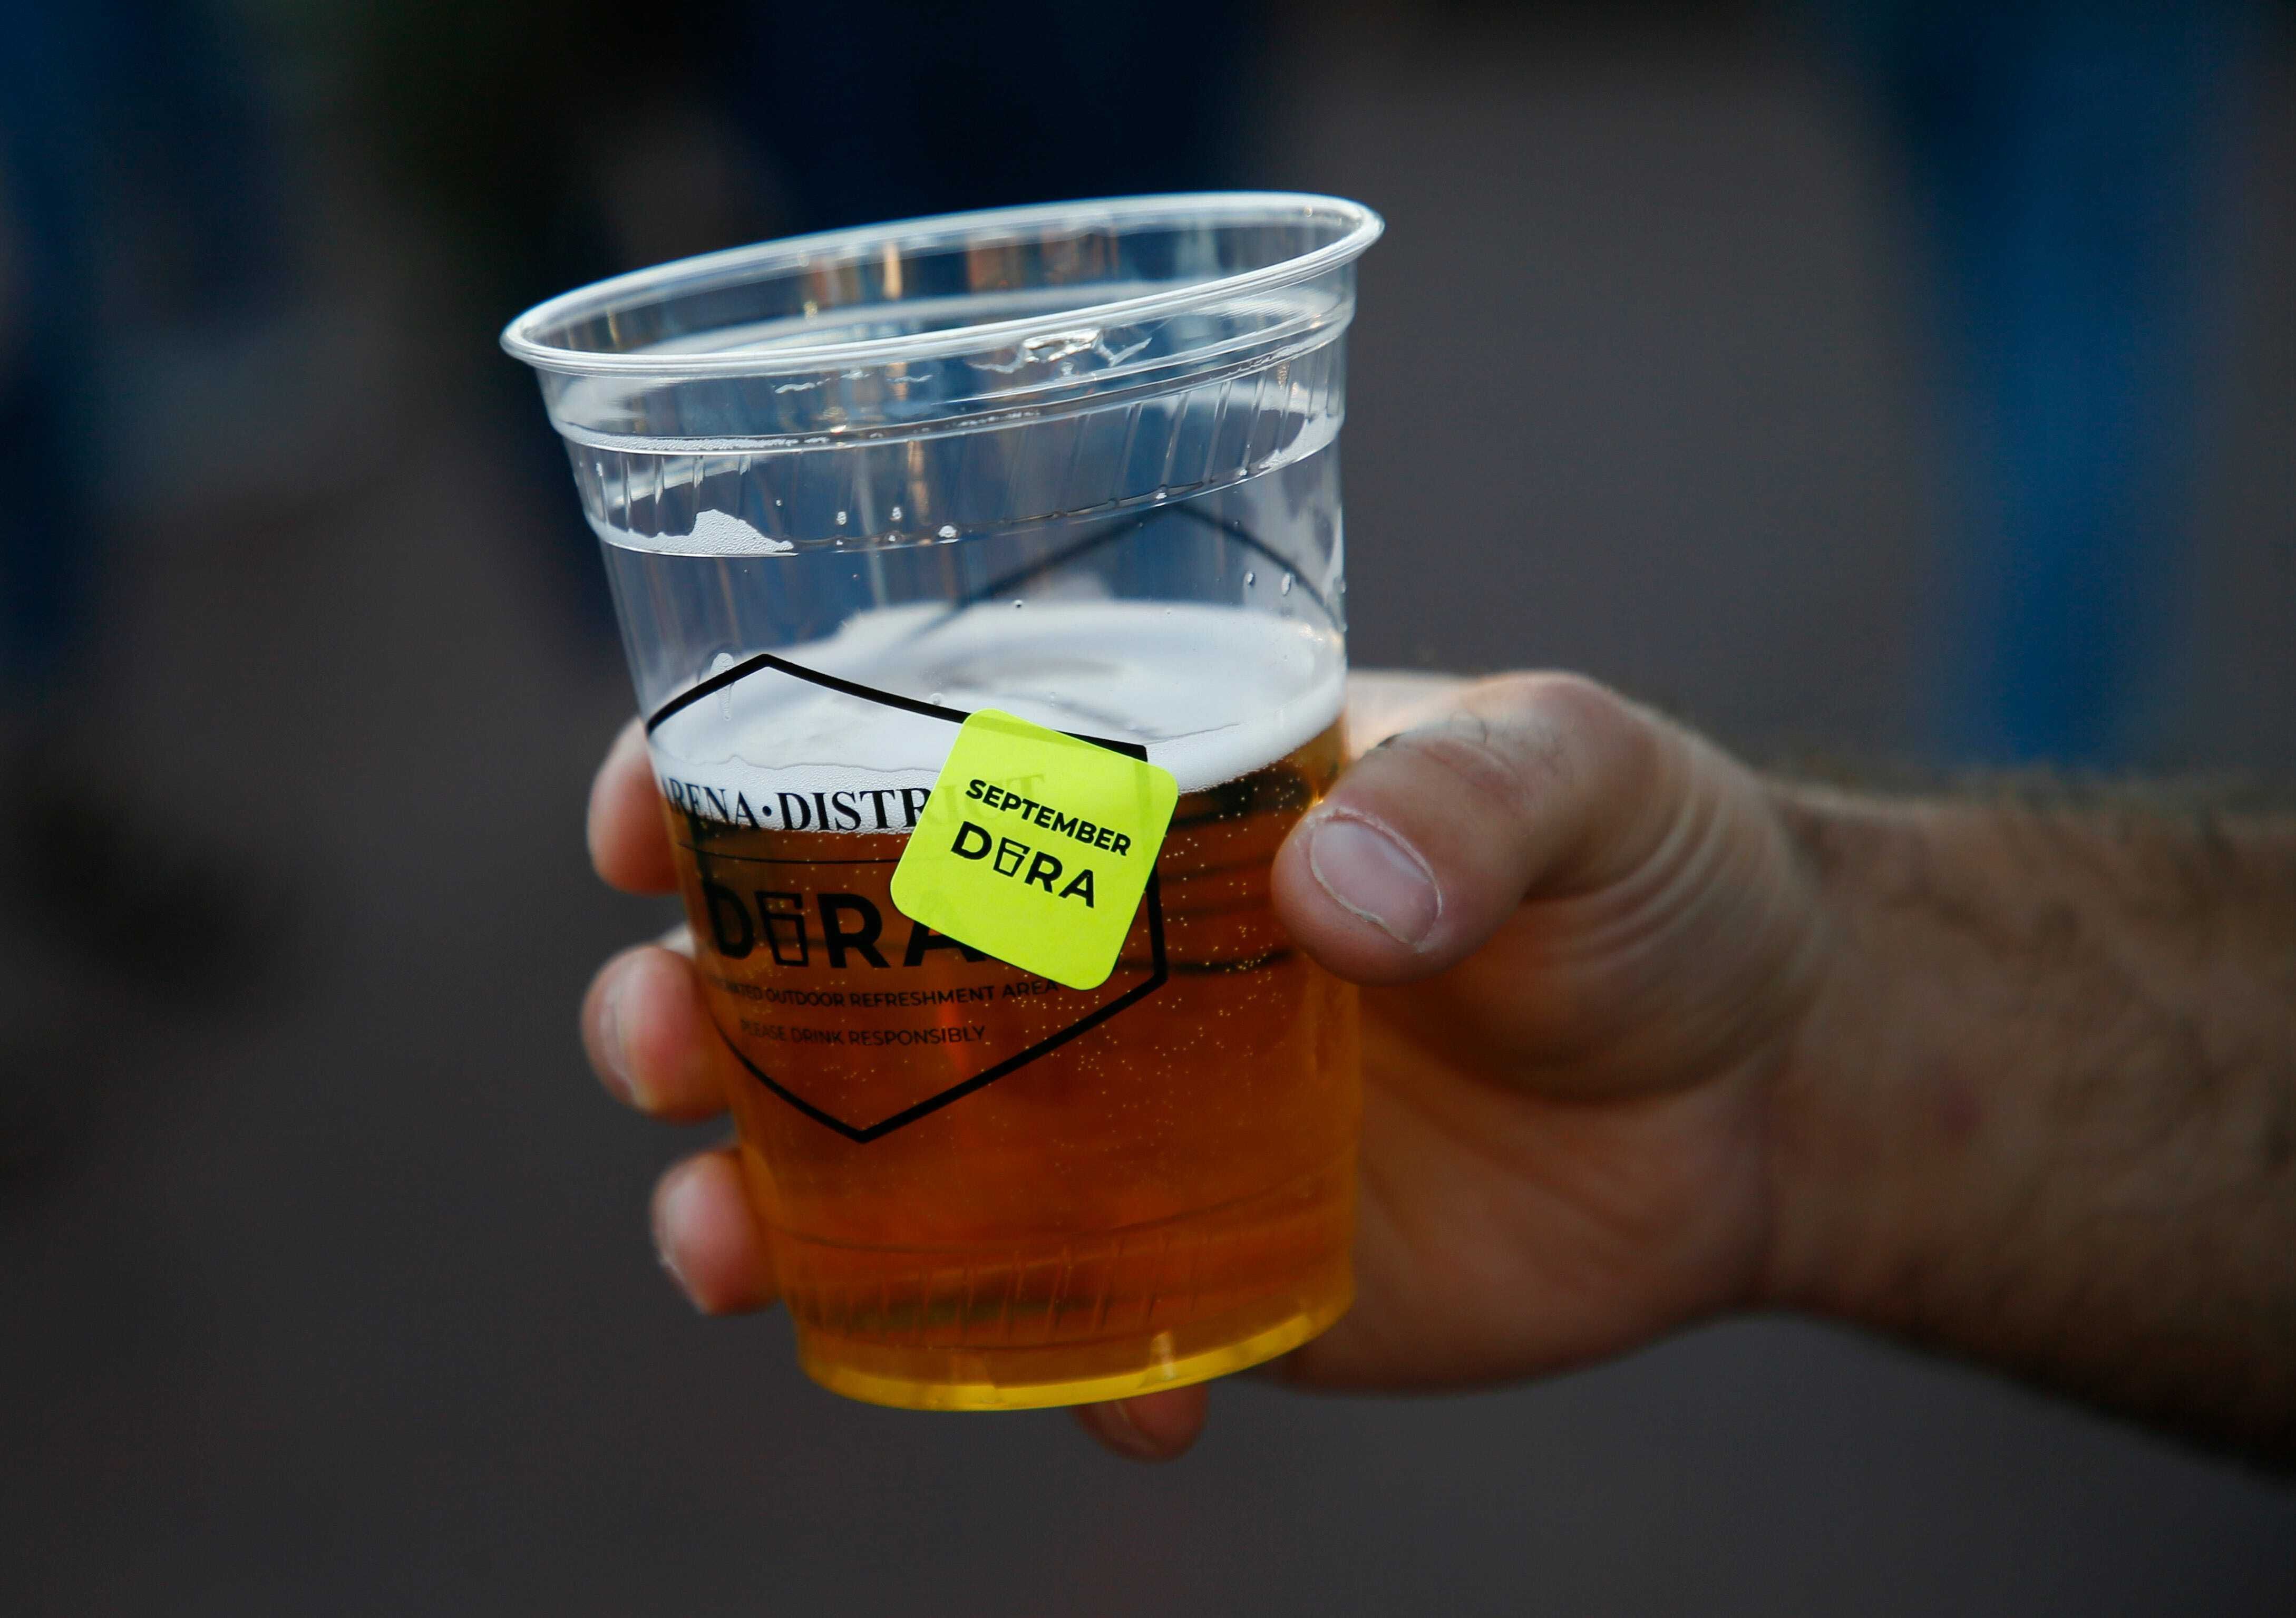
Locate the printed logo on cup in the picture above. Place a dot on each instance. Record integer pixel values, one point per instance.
(869, 983)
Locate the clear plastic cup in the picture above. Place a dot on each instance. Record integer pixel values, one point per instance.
(1076, 462)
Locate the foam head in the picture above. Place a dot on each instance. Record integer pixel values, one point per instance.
(1213, 693)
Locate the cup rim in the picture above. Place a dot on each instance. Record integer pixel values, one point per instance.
(707, 271)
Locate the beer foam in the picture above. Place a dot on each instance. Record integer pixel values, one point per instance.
(1213, 693)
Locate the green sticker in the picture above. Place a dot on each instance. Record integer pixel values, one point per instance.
(1036, 848)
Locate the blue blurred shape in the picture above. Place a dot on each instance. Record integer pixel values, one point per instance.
(2066, 154)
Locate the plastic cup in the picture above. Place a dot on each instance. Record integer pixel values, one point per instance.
(1077, 463)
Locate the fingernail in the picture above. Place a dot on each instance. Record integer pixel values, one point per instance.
(613, 1056)
(1372, 874)
(668, 1203)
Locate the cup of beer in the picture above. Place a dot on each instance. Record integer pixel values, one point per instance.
(1071, 470)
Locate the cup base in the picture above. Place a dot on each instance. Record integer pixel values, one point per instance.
(993, 1380)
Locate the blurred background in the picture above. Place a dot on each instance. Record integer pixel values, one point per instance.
(1896, 383)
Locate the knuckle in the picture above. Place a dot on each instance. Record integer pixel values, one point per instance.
(1581, 729)
(1473, 759)
(1515, 740)
(1565, 702)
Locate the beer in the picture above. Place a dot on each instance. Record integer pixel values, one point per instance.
(984, 1190)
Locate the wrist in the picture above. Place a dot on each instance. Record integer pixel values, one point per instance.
(1824, 1157)
(1910, 1128)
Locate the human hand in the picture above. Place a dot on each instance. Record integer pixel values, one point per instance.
(1586, 942)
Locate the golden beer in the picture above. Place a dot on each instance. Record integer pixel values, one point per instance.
(985, 1191)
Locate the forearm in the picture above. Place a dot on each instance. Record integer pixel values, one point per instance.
(2044, 1111)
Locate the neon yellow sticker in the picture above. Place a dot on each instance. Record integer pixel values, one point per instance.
(1036, 848)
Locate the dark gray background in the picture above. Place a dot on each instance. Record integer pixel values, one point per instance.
(335, 1295)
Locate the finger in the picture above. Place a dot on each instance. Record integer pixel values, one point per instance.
(1428, 842)
(1150, 1427)
(650, 1039)
(629, 846)
(1380, 701)
(707, 1236)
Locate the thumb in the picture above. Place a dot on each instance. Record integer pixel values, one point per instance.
(1530, 784)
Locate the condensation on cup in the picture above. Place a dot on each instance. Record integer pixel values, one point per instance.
(1079, 464)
